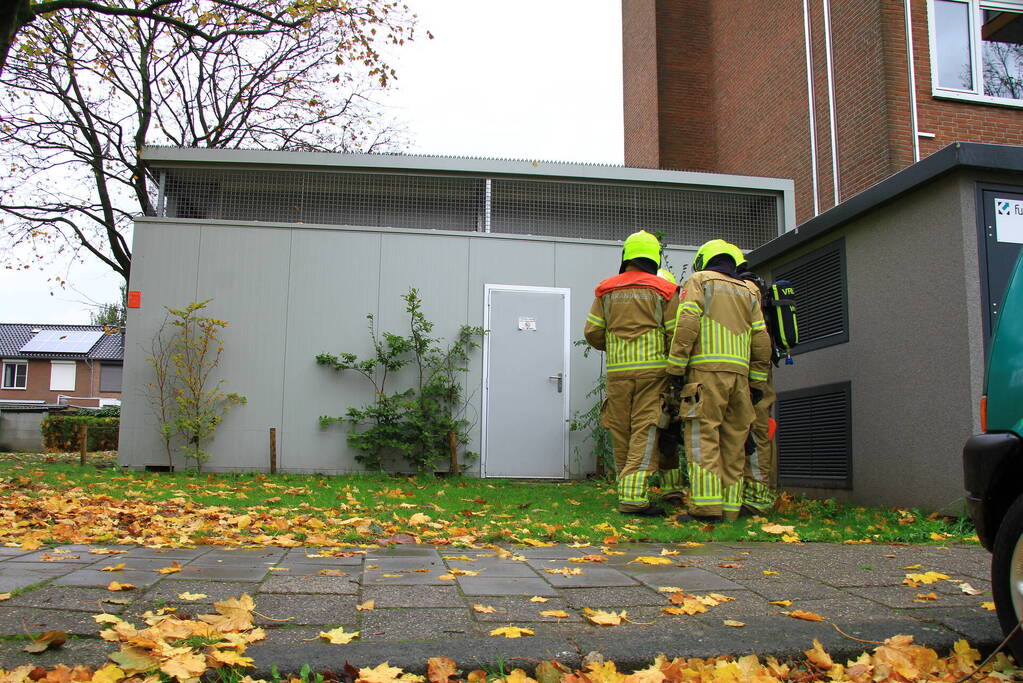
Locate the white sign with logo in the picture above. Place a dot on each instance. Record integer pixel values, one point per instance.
(1009, 220)
(528, 324)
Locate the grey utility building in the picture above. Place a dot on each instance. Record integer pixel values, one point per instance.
(294, 249)
(898, 290)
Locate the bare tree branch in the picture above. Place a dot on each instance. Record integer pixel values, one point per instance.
(85, 91)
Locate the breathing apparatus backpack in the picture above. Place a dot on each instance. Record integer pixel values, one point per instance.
(778, 300)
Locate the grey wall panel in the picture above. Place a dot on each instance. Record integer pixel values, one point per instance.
(165, 269)
(334, 282)
(438, 266)
(908, 355)
(494, 260)
(244, 271)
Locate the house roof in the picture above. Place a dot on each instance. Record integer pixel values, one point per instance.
(975, 155)
(14, 336)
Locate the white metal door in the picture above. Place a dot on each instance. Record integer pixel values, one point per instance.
(525, 380)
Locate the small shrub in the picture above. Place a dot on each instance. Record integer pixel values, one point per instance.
(60, 432)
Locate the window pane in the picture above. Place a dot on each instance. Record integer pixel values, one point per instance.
(15, 375)
(110, 377)
(1002, 45)
(952, 42)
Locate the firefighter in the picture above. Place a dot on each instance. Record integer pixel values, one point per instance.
(632, 319)
(672, 479)
(760, 476)
(719, 338)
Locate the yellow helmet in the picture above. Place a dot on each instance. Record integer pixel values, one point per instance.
(715, 248)
(642, 245)
(738, 255)
(666, 274)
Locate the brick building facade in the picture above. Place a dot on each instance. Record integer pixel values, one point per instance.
(729, 87)
(89, 376)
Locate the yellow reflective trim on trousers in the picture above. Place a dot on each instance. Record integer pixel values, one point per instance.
(647, 348)
(632, 488)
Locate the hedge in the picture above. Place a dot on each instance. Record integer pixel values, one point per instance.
(60, 432)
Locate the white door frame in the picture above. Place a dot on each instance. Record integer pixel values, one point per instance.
(567, 345)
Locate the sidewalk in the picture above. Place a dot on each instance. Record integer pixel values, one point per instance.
(418, 615)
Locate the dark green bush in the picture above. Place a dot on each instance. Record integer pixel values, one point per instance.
(60, 432)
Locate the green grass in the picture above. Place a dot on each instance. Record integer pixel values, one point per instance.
(486, 509)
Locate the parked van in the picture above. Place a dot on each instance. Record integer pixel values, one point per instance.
(993, 463)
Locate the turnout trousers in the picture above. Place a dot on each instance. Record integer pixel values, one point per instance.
(761, 473)
(630, 413)
(718, 415)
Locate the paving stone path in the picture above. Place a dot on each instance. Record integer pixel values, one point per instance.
(419, 615)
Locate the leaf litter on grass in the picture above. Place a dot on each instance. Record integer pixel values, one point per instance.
(57, 503)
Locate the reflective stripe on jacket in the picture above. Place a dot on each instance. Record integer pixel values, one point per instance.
(720, 327)
(632, 318)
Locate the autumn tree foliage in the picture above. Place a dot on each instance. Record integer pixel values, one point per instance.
(85, 88)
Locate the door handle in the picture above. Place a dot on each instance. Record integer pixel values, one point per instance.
(561, 379)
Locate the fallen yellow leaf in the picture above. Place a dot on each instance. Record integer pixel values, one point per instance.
(191, 596)
(565, 571)
(988, 606)
(646, 559)
(484, 609)
(114, 586)
(732, 622)
(778, 529)
(925, 578)
(366, 606)
(113, 568)
(925, 597)
(537, 598)
(108, 674)
(5, 596)
(602, 618)
(511, 632)
(337, 636)
(174, 568)
(443, 577)
(782, 603)
(559, 613)
(768, 572)
(805, 616)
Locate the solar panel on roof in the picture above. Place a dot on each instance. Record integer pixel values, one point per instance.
(62, 341)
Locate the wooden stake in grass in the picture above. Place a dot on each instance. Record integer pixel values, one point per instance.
(273, 450)
(83, 442)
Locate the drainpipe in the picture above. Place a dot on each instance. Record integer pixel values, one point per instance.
(831, 99)
(914, 125)
(809, 99)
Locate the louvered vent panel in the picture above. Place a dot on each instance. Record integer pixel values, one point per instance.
(814, 434)
(819, 281)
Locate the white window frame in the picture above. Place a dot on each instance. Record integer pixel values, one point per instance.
(3, 375)
(63, 364)
(975, 7)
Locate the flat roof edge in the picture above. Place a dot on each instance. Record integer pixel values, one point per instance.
(158, 157)
(956, 155)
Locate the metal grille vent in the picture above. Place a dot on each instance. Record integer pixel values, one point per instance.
(364, 199)
(597, 210)
(821, 310)
(814, 437)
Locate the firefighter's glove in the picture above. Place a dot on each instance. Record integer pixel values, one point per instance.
(756, 395)
(676, 382)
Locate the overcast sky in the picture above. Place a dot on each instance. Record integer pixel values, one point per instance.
(533, 79)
